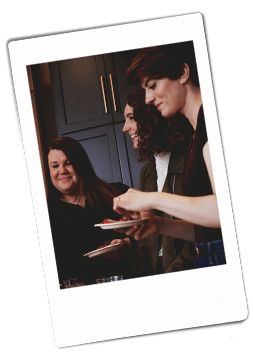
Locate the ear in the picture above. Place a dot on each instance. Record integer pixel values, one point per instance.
(186, 74)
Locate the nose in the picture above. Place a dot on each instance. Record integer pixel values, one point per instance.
(125, 127)
(149, 98)
(62, 169)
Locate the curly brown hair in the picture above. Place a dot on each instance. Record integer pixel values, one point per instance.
(156, 133)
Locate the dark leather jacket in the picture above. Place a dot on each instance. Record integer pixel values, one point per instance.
(176, 255)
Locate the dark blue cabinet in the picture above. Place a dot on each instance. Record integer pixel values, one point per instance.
(89, 99)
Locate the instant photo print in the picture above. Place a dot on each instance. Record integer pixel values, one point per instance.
(55, 97)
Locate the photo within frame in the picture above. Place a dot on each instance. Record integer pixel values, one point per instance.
(80, 107)
(105, 124)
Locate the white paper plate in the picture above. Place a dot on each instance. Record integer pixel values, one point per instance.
(107, 249)
(125, 224)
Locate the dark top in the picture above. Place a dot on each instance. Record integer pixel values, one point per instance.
(74, 235)
(196, 180)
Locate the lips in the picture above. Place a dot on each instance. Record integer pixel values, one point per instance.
(65, 179)
(158, 106)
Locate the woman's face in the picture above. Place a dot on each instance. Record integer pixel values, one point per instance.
(63, 175)
(130, 125)
(167, 95)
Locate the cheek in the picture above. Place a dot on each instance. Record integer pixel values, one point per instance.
(134, 125)
(168, 97)
(74, 174)
(53, 174)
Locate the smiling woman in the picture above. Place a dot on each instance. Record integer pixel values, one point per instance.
(130, 125)
(168, 75)
(77, 200)
(63, 175)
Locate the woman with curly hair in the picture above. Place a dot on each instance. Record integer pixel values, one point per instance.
(154, 134)
(156, 142)
(168, 74)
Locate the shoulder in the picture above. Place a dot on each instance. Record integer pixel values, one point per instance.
(147, 169)
(52, 204)
(147, 176)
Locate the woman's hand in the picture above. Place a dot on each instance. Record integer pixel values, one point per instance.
(149, 227)
(123, 250)
(132, 200)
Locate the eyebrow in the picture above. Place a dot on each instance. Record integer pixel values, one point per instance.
(147, 81)
(66, 160)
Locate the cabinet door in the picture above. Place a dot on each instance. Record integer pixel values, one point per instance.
(116, 67)
(80, 92)
(100, 145)
(130, 166)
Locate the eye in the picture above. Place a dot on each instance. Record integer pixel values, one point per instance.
(55, 166)
(153, 86)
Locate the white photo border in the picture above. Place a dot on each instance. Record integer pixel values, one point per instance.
(150, 304)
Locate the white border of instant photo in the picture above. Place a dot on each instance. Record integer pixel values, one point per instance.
(150, 304)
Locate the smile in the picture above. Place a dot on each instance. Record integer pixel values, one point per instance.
(133, 136)
(65, 179)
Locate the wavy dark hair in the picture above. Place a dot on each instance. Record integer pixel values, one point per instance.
(163, 61)
(96, 190)
(156, 133)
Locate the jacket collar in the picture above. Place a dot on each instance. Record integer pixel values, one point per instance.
(177, 162)
(176, 165)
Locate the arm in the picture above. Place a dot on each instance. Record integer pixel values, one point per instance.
(159, 225)
(202, 210)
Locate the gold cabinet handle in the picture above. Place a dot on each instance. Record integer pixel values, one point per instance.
(113, 96)
(103, 92)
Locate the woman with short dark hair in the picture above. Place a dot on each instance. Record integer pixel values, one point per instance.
(169, 77)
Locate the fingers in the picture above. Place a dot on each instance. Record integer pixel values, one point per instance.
(133, 230)
(117, 208)
(139, 234)
(117, 205)
(121, 203)
(145, 214)
(120, 230)
(116, 241)
(145, 230)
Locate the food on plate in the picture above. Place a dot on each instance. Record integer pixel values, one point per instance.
(101, 246)
(129, 216)
(132, 215)
(107, 220)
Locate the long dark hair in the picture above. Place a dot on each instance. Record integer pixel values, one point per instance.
(156, 133)
(163, 61)
(96, 190)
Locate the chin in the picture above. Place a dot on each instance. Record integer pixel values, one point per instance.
(166, 115)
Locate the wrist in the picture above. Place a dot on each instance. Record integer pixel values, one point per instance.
(151, 201)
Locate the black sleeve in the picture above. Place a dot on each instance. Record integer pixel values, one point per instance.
(201, 128)
(121, 187)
